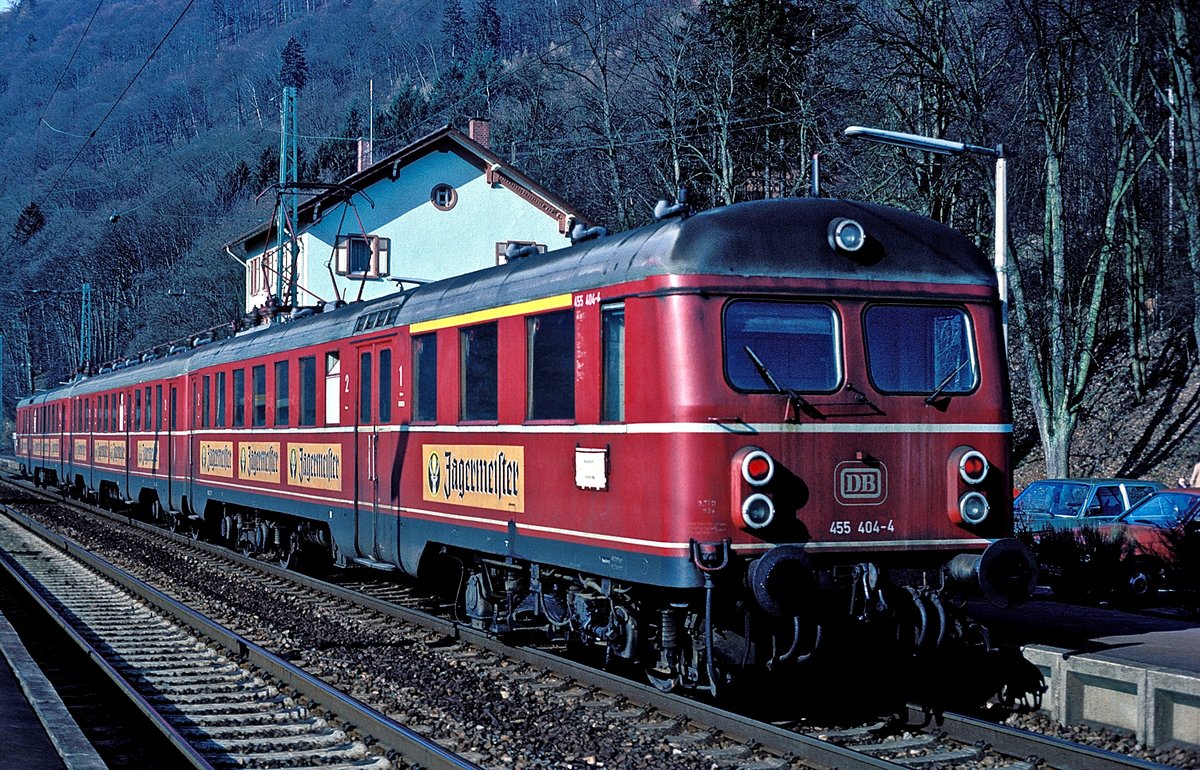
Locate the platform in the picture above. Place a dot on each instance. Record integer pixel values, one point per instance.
(36, 730)
(1135, 672)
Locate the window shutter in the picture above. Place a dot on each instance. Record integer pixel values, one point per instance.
(342, 249)
(381, 256)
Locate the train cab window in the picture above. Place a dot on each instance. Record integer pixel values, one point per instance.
(478, 345)
(219, 413)
(258, 385)
(793, 343)
(424, 373)
(282, 401)
(364, 388)
(158, 407)
(920, 349)
(612, 372)
(239, 398)
(333, 389)
(385, 385)
(308, 391)
(550, 341)
(206, 401)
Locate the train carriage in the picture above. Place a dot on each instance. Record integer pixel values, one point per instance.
(690, 444)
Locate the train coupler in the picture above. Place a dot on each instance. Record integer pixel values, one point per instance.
(711, 557)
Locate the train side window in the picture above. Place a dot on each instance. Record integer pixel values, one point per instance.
(424, 373)
(158, 407)
(104, 415)
(258, 385)
(149, 411)
(333, 388)
(206, 402)
(282, 401)
(385, 385)
(239, 398)
(612, 366)
(137, 408)
(121, 413)
(308, 391)
(364, 388)
(219, 414)
(478, 371)
(173, 418)
(550, 386)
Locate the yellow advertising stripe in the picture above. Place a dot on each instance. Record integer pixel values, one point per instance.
(520, 308)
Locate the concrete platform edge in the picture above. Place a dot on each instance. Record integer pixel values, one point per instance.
(1160, 707)
(73, 747)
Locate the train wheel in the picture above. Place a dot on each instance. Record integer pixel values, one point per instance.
(291, 553)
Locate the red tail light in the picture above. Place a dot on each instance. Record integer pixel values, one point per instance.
(757, 468)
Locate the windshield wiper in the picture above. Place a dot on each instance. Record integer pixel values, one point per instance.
(801, 405)
(945, 381)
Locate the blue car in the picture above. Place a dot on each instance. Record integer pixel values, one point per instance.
(1073, 503)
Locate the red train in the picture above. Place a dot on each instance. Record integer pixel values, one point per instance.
(702, 445)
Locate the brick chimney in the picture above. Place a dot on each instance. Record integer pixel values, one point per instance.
(480, 132)
(364, 154)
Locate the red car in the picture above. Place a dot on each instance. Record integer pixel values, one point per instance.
(1160, 534)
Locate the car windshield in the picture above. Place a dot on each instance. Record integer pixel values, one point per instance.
(1051, 498)
(1162, 509)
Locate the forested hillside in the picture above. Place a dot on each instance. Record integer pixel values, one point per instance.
(137, 136)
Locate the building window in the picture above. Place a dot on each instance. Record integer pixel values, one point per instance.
(443, 197)
(551, 366)
(424, 378)
(503, 248)
(478, 345)
(258, 382)
(612, 375)
(281, 393)
(364, 256)
(239, 398)
(308, 391)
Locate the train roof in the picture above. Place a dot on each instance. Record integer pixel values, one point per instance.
(782, 237)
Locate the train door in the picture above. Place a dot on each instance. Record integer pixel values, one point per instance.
(376, 528)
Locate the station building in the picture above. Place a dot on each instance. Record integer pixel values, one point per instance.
(442, 206)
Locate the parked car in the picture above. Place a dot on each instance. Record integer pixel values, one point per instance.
(1065, 504)
(1160, 539)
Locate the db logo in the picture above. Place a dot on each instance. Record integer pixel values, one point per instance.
(856, 483)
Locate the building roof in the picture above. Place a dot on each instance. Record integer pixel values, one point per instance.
(444, 139)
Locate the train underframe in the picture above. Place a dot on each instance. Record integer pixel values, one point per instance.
(779, 611)
(776, 612)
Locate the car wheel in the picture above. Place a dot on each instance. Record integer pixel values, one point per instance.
(1140, 580)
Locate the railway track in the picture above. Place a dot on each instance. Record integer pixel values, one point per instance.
(689, 733)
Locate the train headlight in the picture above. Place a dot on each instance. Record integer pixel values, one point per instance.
(758, 511)
(758, 468)
(846, 234)
(973, 507)
(973, 467)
